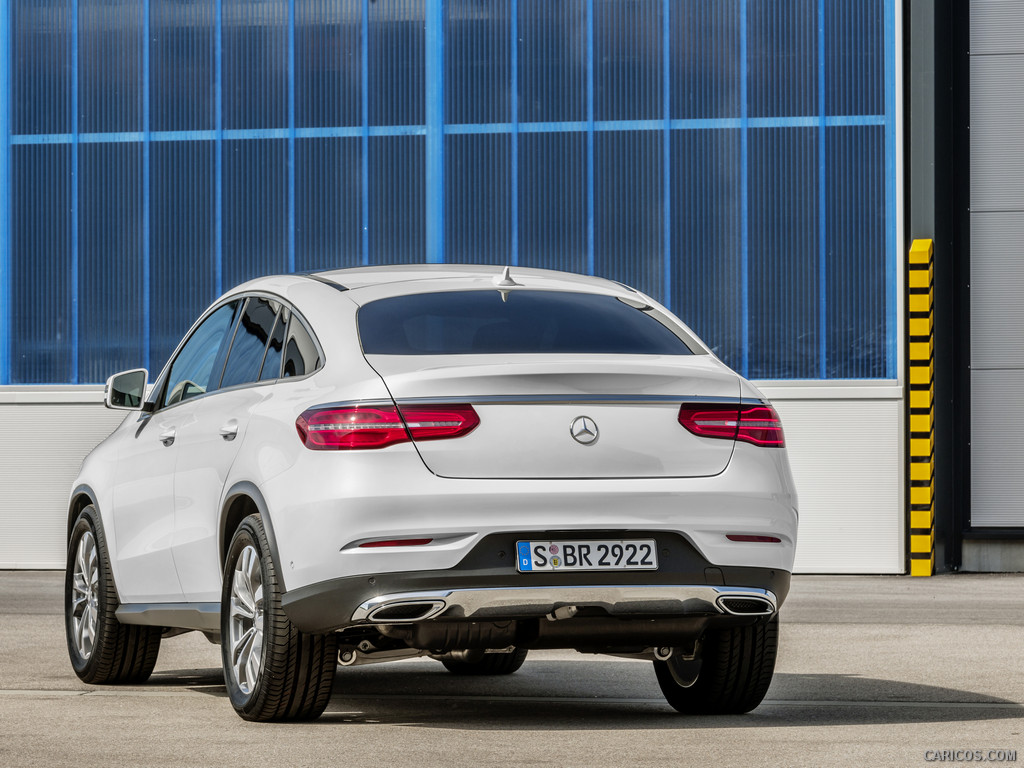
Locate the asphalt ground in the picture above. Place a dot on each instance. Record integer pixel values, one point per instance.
(872, 671)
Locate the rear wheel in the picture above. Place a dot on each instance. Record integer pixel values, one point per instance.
(487, 663)
(102, 649)
(732, 675)
(271, 670)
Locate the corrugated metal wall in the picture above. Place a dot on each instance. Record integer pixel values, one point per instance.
(997, 272)
(734, 158)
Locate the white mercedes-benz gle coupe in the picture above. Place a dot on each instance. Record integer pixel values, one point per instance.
(461, 462)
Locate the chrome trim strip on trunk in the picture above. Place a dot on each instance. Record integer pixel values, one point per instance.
(578, 399)
(534, 602)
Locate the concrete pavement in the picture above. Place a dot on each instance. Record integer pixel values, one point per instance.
(871, 671)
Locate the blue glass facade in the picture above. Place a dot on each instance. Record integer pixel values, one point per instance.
(733, 158)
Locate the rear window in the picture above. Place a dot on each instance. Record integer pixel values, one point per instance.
(482, 323)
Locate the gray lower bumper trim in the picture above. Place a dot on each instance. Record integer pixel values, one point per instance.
(532, 602)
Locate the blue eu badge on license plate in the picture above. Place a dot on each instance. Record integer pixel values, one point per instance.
(525, 560)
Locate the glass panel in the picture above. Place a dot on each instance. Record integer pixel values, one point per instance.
(181, 65)
(328, 33)
(109, 242)
(41, 66)
(398, 209)
(553, 201)
(300, 351)
(272, 362)
(782, 57)
(250, 342)
(477, 60)
(41, 291)
(628, 209)
(255, 209)
(328, 203)
(707, 254)
(552, 60)
(783, 324)
(255, 64)
(515, 322)
(479, 230)
(182, 241)
(109, 65)
(197, 368)
(396, 51)
(627, 60)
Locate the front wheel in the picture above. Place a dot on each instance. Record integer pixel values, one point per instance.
(271, 670)
(102, 649)
(731, 676)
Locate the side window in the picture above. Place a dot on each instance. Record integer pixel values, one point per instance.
(272, 360)
(197, 367)
(250, 342)
(300, 352)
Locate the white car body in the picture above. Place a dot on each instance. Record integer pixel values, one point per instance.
(171, 483)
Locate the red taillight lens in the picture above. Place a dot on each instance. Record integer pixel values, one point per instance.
(340, 429)
(395, 543)
(759, 424)
(752, 539)
(437, 422)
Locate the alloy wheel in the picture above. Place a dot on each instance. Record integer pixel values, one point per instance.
(246, 620)
(85, 595)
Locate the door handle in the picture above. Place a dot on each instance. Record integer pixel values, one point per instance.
(230, 430)
(167, 438)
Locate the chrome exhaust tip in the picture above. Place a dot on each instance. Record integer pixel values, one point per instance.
(747, 605)
(402, 611)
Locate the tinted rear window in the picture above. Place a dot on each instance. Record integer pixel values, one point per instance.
(479, 322)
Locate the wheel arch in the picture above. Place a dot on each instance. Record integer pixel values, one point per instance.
(84, 496)
(242, 500)
(81, 498)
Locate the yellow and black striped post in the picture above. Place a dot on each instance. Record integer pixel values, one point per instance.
(921, 388)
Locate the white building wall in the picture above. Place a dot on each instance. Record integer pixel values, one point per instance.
(844, 443)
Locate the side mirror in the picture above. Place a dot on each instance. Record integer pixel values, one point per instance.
(126, 390)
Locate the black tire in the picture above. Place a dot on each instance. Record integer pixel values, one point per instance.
(488, 664)
(292, 671)
(102, 649)
(735, 671)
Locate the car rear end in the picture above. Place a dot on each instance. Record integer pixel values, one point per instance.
(552, 463)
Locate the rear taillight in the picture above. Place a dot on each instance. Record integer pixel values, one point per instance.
(758, 424)
(363, 427)
(437, 422)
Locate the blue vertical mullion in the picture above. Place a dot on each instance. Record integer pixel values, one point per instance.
(218, 111)
(590, 137)
(744, 203)
(822, 202)
(364, 73)
(6, 79)
(514, 138)
(666, 161)
(891, 271)
(146, 255)
(434, 72)
(74, 191)
(291, 135)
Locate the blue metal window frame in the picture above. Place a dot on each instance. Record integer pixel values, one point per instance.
(435, 129)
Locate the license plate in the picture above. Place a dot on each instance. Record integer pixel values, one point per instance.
(600, 555)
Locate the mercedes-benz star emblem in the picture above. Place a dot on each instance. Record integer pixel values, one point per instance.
(583, 430)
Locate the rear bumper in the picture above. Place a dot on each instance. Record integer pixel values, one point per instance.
(534, 602)
(486, 586)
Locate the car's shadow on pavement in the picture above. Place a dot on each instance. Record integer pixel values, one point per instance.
(590, 695)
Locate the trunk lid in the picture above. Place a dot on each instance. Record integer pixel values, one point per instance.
(623, 411)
